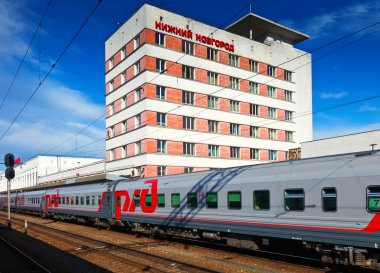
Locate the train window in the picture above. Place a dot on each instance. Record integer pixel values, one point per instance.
(373, 199)
(67, 200)
(82, 200)
(161, 200)
(63, 200)
(261, 200)
(93, 200)
(108, 200)
(99, 198)
(329, 199)
(76, 200)
(192, 200)
(294, 200)
(212, 200)
(176, 200)
(118, 201)
(234, 199)
(148, 200)
(136, 199)
(87, 200)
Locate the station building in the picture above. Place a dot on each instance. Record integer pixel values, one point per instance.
(184, 96)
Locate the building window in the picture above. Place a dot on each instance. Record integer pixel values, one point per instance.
(160, 92)
(137, 148)
(254, 110)
(212, 200)
(254, 154)
(112, 154)
(124, 152)
(212, 102)
(137, 121)
(124, 102)
(160, 39)
(110, 63)
(212, 54)
(189, 169)
(294, 200)
(234, 83)
(271, 71)
(254, 131)
(161, 170)
(188, 47)
(111, 109)
(234, 199)
(272, 113)
(137, 94)
(288, 75)
(137, 68)
(288, 136)
(288, 116)
(261, 200)
(111, 132)
(176, 200)
(234, 129)
(187, 97)
(188, 123)
(161, 119)
(234, 106)
(288, 95)
(373, 199)
(329, 199)
(122, 53)
(254, 88)
(136, 42)
(271, 92)
(111, 85)
(212, 77)
(272, 155)
(188, 148)
(272, 134)
(161, 146)
(123, 126)
(123, 77)
(233, 60)
(192, 200)
(253, 66)
(235, 152)
(213, 126)
(188, 72)
(160, 65)
(213, 150)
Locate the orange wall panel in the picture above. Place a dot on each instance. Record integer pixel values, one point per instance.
(200, 75)
(223, 57)
(244, 108)
(264, 133)
(280, 135)
(224, 152)
(149, 118)
(147, 36)
(280, 94)
(263, 90)
(224, 104)
(174, 69)
(174, 170)
(263, 69)
(200, 100)
(244, 63)
(244, 85)
(224, 80)
(201, 125)
(174, 147)
(201, 51)
(264, 155)
(224, 127)
(173, 95)
(280, 73)
(263, 111)
(173, 43)
(281, 155)
(280, 114)
(174, 121)
(245, 153)
(201, 149)
(244, 130)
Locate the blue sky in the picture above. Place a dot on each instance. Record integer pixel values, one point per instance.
(73, 95)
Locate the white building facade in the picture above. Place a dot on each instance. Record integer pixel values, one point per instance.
(359, 142)
(184, 96)
(46, 169)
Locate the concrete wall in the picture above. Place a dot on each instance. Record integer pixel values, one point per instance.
(340, 145)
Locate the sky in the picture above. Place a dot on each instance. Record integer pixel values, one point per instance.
(73, 96)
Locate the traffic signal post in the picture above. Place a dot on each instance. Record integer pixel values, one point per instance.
(9, 162)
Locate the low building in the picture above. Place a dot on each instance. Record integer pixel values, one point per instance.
(47, 169)
(352, 143)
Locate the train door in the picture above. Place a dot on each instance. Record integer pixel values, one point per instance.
(42, 204)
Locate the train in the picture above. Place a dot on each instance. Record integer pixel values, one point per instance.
(326, 207)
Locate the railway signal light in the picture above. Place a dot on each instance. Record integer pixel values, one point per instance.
(10, 173)
(9, 160)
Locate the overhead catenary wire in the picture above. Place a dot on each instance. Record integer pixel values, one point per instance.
(52, 67)
(25, 54)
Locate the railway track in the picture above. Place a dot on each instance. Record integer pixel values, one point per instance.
(110, 254)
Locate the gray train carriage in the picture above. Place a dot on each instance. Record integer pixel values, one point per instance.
(30, 201)
(328, 204)
(90, 202)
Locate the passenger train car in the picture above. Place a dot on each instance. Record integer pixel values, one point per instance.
(327, 206)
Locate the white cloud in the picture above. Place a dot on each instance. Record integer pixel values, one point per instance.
(368, 108)
(346, 19)
(333, 95)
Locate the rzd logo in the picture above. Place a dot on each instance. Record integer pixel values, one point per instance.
(52, 200)
(129, 204)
